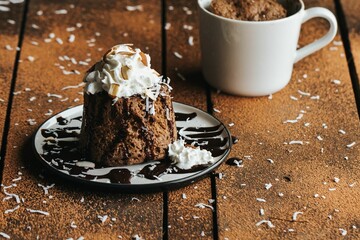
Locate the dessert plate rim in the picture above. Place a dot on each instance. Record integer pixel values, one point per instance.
(134, 187)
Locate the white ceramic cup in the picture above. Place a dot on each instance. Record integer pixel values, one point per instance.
(256, 58)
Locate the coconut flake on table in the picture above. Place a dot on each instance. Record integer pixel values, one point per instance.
(260, 200)
(35, 26)
(269, 223)
(178, 55)
(8, 47)
(4, 9)
(2, 234)
(191, 41)
(187, 27)
(303, 93)
(268, 186)
(167, 26)
(203, 205)
(71, 38)
(342, 131)
(11, 21)
(38, 211)
(336, 179)
(295, 215)
(134, 8)
(343, 232)
(31, 58)
(187, 157)
(351, 145)
(61, 11)
(46, 188)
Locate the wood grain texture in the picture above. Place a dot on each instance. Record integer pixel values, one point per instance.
(303, 177)
(9, 30)
(97, 27)
(185, 219)
(351, 10)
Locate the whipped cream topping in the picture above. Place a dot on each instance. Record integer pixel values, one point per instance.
(187, 157)
(123, 72)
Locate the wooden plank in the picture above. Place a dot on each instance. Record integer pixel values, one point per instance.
(10, 29)
(351, 9)
(187, 221)
(97, 26)
(304, 177)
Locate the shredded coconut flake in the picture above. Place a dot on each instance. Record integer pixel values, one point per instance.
(294, 217)
(270, 225)
(38, 211)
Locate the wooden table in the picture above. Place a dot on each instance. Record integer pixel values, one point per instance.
(319, 179)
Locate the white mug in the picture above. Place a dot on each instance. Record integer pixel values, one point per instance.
(256, 58)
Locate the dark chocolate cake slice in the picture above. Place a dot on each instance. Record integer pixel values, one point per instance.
(128, 115)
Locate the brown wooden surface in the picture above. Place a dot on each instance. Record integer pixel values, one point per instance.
(182, 212)
(262, 133)
(351, 9)
(302, 173)
(9, 30)
(42, 77)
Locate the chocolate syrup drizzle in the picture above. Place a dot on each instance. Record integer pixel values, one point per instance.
(61, 151)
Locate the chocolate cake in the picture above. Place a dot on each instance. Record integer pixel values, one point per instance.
(249, 10)
(128, 115)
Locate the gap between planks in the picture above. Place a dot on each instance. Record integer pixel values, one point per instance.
(12, 89)
(344, 32)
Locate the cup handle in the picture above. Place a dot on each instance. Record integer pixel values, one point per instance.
(326, 39)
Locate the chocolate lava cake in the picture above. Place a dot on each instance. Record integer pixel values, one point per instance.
(128, 116)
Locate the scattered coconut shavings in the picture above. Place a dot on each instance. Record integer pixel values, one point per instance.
(191, 41)
(12, 210)
(343, 232)
(268, 186)
(303, 93)
(294, 98)
(260, 200)
(270, 160)
(38, 211)
(167, 26)
(332, 189)
(59, 41)
(46, 189)
(73, 225)
(4, 9)
(270, 96)
(270, 225)
(61, 11)
(35, 26)
(231, 124)
(49, 113)
(178, 55)
(16, 179)
(319, 138)
(336, 179)
(337, 43)
(135, 199)
(8, 47)
(315, 97)
(216, 110)
(54, 95)
(336, 81)
(32, 99)
(342, 131)
(2, 234)
(102, 218)
(280, 194)
(183, 195)
(11, 21)
(295, 215)
(31, 58)
(296, 142)
(203, 205)
(351, 145)
(31, 121)
(71, 38)
(134, 8)
(352, 184)
(137, 237)
(262, 212)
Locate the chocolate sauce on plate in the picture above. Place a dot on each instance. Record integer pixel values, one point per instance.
(62, 151)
